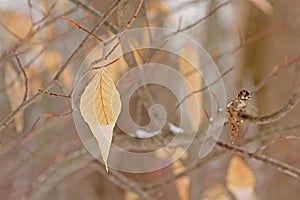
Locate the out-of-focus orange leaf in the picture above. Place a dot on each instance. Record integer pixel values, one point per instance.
(240, 179)
(215, 192)
(15, 88)
(51, 60)
(157, 12)
(67, 78)
(34, 80)
(183, 183)
(263, 5)
(131, 196)
(190, 74)
(17, 23)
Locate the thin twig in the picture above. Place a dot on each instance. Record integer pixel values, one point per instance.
(276, 140)
(204, 88)
(95, 28)
(51, 115)
(280, 166)
(122, 181)
(25, 76)
(275, 116)
(53, 94)
(198, 163)
(106, 65)
(10, 31)
(206, 16)
(10, 116)
(57, 171)
(82, 28)
(46, 15)
(275, 71)
(95, 12)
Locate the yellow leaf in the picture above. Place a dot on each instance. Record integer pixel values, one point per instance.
(100, 106)
(15, 88)
(240, 179)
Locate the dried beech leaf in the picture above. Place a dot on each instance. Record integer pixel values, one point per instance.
(15, 87)
(240, 180)
(100, 106)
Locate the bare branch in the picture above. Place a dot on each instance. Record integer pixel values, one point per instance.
(121, 181)
(58, 171)
(82, 28)
(95, 12)
(94, 29)
(275, 116)
(280, 166)
(204, 88)
(275, 71)
(51, 115)
(53, 93)
(25, 76)
(213, 11)
(10, 117)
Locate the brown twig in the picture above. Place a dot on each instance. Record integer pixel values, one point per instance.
(46, 14)
(51, 115)
(94, 29)
(57, 171)
(275, 116)
(53, 94)
(10, 31)
(29, 101)
(95, 12)
(204, 88)
(280, 166)
(82, 28)
(213, 11)
(278, 139)
(25, 76)
(198, 163)
(275, 71)
(108, 64)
